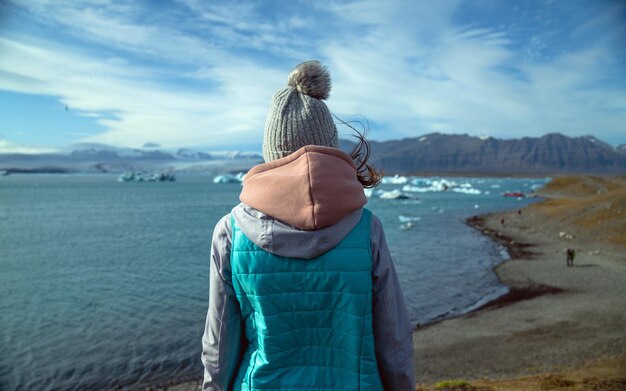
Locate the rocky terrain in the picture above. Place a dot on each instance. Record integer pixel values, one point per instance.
(550, 154)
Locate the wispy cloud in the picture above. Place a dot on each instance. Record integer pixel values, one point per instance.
(141, 110)
(202, 73)
(7, 147)
(458, 78)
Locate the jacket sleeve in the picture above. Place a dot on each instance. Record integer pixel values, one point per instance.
(222, 339)
(393, 334)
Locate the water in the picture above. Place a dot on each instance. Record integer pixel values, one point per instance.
(105, 284)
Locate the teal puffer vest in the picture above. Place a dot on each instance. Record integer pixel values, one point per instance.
(308, 321)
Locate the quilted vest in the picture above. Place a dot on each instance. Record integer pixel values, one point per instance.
(308, 321)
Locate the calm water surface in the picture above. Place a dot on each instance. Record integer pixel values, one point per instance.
(105, 284)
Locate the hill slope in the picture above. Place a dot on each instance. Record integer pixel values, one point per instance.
(550, 154)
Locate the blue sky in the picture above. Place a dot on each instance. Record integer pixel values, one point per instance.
(201, 73)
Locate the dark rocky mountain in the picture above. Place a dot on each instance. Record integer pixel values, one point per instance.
(462, 154)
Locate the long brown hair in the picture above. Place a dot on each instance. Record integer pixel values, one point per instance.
(368, 175)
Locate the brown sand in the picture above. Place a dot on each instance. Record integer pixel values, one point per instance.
(560, 327)
(558, 316)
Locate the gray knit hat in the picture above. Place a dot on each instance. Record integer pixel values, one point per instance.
(297, 115)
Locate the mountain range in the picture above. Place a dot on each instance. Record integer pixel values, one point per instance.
(550, 154)
(430, 154)
(101, 158)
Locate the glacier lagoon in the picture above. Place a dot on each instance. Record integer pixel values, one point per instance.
(105, 284)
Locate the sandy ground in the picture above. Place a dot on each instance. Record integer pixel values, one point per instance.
(560, 327)
(580, 312)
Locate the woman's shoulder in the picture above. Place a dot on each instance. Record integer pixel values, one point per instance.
(376, 224)
(223, 227)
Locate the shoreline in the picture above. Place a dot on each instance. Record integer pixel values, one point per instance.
(555, 321)
(554, 316)
(517, 251)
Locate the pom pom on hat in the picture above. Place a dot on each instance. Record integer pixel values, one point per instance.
(298, 115)
(311, 78)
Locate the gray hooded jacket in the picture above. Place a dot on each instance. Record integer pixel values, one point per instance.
(223, 341)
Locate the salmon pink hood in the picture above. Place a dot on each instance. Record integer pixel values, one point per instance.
(312, 188)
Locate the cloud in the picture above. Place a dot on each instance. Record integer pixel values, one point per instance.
(202, 73)
(139, 109)
(472, 79)
(8, 147)
(123, 27)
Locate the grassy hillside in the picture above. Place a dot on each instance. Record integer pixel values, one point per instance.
(595, 205)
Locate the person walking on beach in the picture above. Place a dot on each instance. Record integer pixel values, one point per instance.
(303, 291)
(570, 254)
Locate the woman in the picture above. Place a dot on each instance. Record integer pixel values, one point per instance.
(303, 292)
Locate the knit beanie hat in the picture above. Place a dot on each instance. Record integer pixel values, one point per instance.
(297, 115)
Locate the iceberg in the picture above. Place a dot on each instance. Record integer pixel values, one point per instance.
(408, 219)
(416, 189)
(373, 193)
(406, 226)
(386, 195)
(395, 180)
(229, 178)
(426, 185)
(465, 190)
(394, 195)
(131, 176)
(423, 182)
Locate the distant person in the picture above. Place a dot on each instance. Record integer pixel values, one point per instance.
(502, 221)
(303, 292)
(570, 254)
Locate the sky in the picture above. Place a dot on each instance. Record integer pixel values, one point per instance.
(194, 73)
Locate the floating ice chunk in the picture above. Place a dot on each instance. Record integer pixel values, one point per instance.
(416, 189)
(425, 185)
(466, 190)
(373, 193)
(444, 184)
(423, 182)
(405, 226)
(395, 194)
(440, 186)
(229, 178)
(395, 180)
(407, 219)
(131, 176)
